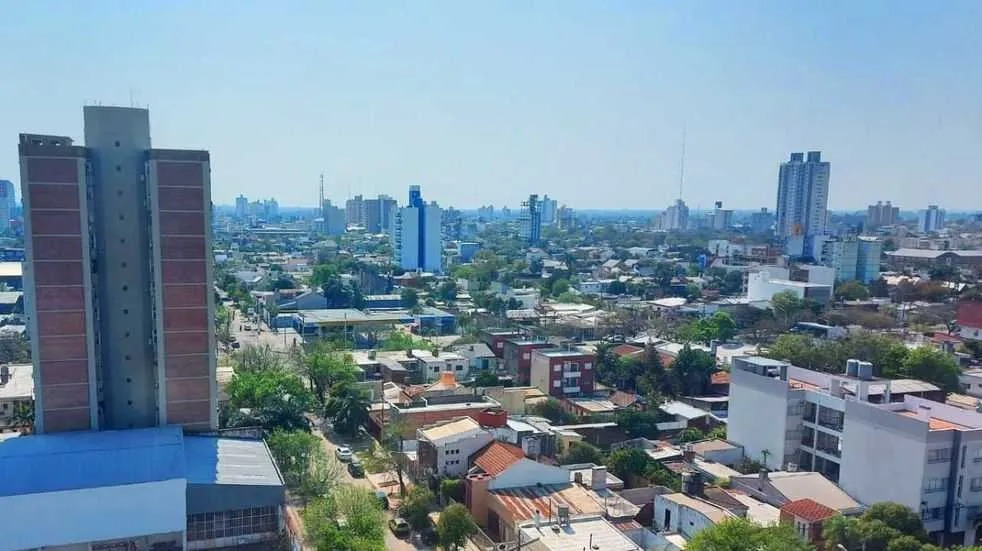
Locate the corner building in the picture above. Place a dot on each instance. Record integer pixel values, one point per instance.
(118, 278)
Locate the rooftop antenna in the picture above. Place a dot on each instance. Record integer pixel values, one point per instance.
(682, 164)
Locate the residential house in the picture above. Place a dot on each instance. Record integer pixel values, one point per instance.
(479, 357)
(778, 488)
(443, 448)
(569, 532)
(807, 517)
(495, 339)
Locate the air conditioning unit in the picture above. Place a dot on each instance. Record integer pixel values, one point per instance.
(792, 467)
(501, 547)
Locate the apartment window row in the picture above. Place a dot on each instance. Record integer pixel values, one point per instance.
(939, 455)
(452, 452)
(226, 524)
(451, 462)
(935, 485)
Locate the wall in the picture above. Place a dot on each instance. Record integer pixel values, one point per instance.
(758, 415)
(883, 455)
(539, 373)
(683, 520)
(460, 452)
(527, 472)
(96, 514)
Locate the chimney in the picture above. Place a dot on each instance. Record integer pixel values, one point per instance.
(688, 454)
(762, 478)
(598, 478)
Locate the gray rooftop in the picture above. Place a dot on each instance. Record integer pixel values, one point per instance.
(214, 460)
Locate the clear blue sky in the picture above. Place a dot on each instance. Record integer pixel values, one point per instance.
(485, 102)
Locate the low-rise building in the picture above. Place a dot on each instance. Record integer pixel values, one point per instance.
(563, 372)
(479, 356)
(807, 517)
(574, 532)
(969, 318)
(16, 396)
(444, 448)
(517, 353)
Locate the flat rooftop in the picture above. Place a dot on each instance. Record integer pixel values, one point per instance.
(21, 383)
(563, 353)
(78, 460)
(579, 534)
(214, 460)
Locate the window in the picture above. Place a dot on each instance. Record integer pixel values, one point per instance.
(526, 356)
(239, 522)
(939, 455)
(975, 484)
(935, 485)
(933, 513)
(557, 383)
(460, 367)
(587, 366)
(978, 455)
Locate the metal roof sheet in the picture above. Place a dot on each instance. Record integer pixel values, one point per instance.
(214, 460)
(77, 460)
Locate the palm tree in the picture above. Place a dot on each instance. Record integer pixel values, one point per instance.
(347, 407)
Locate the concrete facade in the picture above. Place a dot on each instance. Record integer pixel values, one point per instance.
(803, 195)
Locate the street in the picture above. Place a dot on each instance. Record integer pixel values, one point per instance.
(331, 442)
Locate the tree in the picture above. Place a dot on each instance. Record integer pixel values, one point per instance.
(455, 526)
(581, 452)
(933, 366)
(732, 283)
(253, 357)
(452, 488)
(628, 463)
(552, 410)
(559, 287)
(897, 516)
(270, 398)
(304, 463)
(691, 371)
(638, 424)
(878, 288)
(447, 291)
(22, 416)
(691, 434)
(415, 508)
(788, 308)
(851, 290)
(347, 407)
(325, 366)
(409, 298)
(617, 287)
(738, 534)
(348, 519)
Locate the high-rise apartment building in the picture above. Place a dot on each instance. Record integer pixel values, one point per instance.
(931, 219)
(721, 218)
(118, 278)
(378, 214)
(332, 219)
(8, 203)
(803, 195)
(417, 236)
(762, 221)
(881, 214)
(676, 217)
(530, 223)
(241, 207)
(550, 208)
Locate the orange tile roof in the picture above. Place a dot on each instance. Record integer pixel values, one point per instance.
(496, 457)
(809, 510)
(624, 399)
(626, 350)
(720, 378)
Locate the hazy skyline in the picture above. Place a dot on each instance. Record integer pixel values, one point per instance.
(486, 103)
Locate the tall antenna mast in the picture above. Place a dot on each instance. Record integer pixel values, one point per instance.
(682, 167)
(320, 204)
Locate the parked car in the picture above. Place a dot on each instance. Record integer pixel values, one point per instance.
(344, 454)
(399, 527)
(383, 499)
(356, 469)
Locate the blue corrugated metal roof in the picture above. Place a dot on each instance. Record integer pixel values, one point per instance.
(214, 460)
(76, 460)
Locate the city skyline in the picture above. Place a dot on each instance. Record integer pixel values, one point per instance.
(381, 97)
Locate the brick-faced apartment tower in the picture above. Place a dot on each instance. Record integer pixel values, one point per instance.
(118, 278)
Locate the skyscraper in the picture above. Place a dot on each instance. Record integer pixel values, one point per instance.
(550, 208)
(416, 234)
(118, 278)
(803, 195)
(931, 219)
(530, 223)
(378, 214)
(880, 214)
(241, 207)
(8, 202)
(676, 217)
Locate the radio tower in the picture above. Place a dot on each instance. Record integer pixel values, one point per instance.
(320, 202)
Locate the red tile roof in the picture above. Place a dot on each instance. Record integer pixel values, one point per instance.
(720, 378)
(626, 350)
(496, 457)
(624, 399)
(809, 510)
(970, 313)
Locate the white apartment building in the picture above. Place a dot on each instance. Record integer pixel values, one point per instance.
(762, 285)
(803, 195)
(445, 447)
(877, 439)
(931, 219)
(416, 234)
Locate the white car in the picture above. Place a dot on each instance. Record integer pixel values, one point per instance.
(343, 453)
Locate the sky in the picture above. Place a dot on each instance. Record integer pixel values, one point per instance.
(487, 102)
